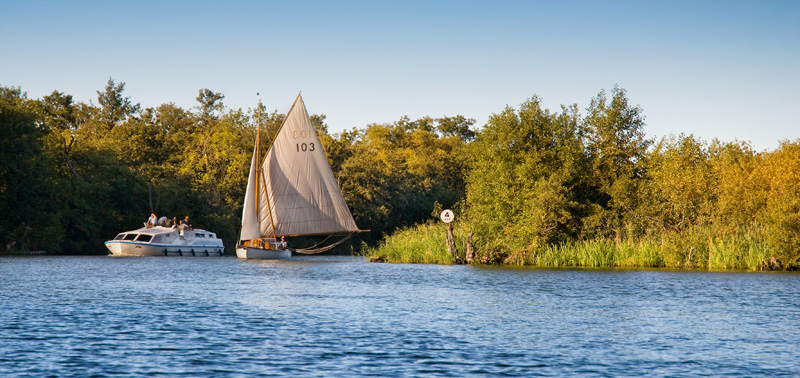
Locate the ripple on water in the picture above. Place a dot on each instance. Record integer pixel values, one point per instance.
(338, 316)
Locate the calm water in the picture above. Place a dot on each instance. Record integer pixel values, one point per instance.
(340, 316)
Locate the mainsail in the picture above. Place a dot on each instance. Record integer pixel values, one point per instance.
(297, 194)
(249, 214)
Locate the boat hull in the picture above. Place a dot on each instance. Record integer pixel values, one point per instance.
(119, 248)
(163, 241)
(262, 254)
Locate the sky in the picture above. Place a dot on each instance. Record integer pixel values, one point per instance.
(716, 69)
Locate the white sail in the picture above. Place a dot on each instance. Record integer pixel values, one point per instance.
(250, 229)
(301, 191)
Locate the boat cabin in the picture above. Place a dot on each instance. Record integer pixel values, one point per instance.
(163, 235)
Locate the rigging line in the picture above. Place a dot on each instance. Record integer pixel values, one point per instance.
(323, 249)
(315, 245)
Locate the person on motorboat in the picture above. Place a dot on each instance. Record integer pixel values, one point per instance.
(182, 227)
(151, 222)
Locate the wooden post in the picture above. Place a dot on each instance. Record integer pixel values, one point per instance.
(469, 255)
(451, 244)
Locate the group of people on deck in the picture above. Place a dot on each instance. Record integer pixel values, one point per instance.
(268, 243)
(181, 225)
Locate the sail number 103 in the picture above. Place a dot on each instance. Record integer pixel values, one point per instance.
(305, 147)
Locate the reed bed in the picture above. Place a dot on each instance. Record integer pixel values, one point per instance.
(421, 244)
(698, 249)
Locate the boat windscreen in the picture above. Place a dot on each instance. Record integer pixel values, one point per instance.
(144, 238)
(130, 236)
(119, 237)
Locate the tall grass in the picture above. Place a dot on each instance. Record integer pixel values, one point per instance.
(421, 244)
(693, 249)
(594, 253)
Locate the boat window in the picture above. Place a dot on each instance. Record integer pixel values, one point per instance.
(201, 235)
(144, 238)
(130, 236)
(212, 236)
(158, 238)
(119, 237)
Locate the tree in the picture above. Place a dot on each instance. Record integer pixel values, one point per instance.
(740, 195)
(59, 116)
(524, 165)
(29, 196)
(616, 146)
(114, 107)
(780, 215)
(392, 175)
(680, 192)
(209, 102)
(457, 126)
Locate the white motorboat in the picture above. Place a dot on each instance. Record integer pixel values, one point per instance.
(165, 241)
(292, 193)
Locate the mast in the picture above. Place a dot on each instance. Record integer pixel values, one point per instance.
(261, 173)
(258, 162)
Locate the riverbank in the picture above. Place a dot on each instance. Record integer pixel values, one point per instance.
(425, 244)
(23, 253)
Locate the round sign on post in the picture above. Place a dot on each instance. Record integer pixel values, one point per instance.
(447, 216)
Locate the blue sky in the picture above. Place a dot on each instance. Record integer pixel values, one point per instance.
(716, 69)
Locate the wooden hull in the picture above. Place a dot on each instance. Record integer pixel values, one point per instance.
(262, 254)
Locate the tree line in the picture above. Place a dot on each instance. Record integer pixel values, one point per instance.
(539, 179)
(530, 180)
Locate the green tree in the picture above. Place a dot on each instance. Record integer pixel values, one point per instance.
(458, 126)
(29, 195)
(58, 116)
(524, 165)
(114, 107)
(780, 216)
(739, 194)
(210, 102)
(616, 147)
(680, 192)
(392, 175)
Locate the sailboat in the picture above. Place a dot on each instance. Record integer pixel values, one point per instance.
(291, 193)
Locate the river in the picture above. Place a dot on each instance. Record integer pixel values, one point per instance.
(327, 316)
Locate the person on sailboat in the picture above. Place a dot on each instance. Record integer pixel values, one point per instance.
(151, 222)
(282, 244)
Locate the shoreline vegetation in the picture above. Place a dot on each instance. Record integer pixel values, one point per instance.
(425, 244)
(535, 187)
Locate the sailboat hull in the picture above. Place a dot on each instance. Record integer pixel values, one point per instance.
(262, 254)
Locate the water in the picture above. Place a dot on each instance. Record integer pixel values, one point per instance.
(340, 316)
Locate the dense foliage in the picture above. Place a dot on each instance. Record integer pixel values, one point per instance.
(557, 189)
(533, 186)
(75, 174)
